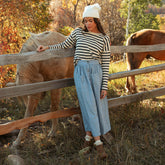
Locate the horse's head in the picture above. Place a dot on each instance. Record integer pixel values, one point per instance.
(45, 38)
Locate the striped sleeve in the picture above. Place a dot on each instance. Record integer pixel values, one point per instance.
(68, 43)
(105, 60)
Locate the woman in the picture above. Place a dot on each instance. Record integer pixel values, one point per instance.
(91, 60)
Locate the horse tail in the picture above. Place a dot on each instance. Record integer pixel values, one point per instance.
(130, 56)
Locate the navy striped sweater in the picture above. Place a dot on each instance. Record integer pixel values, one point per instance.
(89, 46)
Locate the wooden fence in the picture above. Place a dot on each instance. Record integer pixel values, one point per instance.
(55, 84)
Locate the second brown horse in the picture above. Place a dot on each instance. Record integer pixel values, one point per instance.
(134, 60)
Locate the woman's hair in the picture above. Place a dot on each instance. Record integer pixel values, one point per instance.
(99, 26)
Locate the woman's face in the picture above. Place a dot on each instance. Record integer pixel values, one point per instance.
(90, 24)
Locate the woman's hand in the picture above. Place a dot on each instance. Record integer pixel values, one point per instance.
(103, 94)
(42, 48)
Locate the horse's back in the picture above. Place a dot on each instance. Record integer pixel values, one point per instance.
(147, 37)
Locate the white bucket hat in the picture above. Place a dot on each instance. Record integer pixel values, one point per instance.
(92, 11)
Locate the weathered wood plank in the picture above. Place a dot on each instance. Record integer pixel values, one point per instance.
(137, 48)
(45, 55)
(149, 69)
(35, 56)
(114, 102)
(26, 122)
(26, 89)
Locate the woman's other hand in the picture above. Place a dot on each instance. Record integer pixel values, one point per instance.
(42, 48)
(103, 94)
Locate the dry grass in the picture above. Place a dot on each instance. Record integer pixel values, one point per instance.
(138, 129)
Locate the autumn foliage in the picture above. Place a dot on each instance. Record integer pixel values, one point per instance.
(17, 19)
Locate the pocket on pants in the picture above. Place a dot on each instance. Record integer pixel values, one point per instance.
(78, 78)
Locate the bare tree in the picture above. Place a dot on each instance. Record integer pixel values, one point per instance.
(75, 13)
(112, 22)
(61, 16)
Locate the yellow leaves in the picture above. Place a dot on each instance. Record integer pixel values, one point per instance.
(6, 145)
(33, 5)
(74, 2)
(7, 74)
(9, 118)
(5, 118)
(64, 4)
(66, 30)
(68, 3)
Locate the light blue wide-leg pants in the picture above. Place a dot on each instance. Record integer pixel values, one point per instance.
(88, 80)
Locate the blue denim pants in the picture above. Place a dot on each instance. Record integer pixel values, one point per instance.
(88, 80)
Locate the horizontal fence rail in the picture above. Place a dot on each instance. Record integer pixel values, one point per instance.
(58, 53)
(137, 71)
(22, 90)
(35, 56)
(137, 48)
(26, 122)
(27, 89)
(114, 102)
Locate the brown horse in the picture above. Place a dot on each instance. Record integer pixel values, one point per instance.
(56, 68)
(134, 60)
